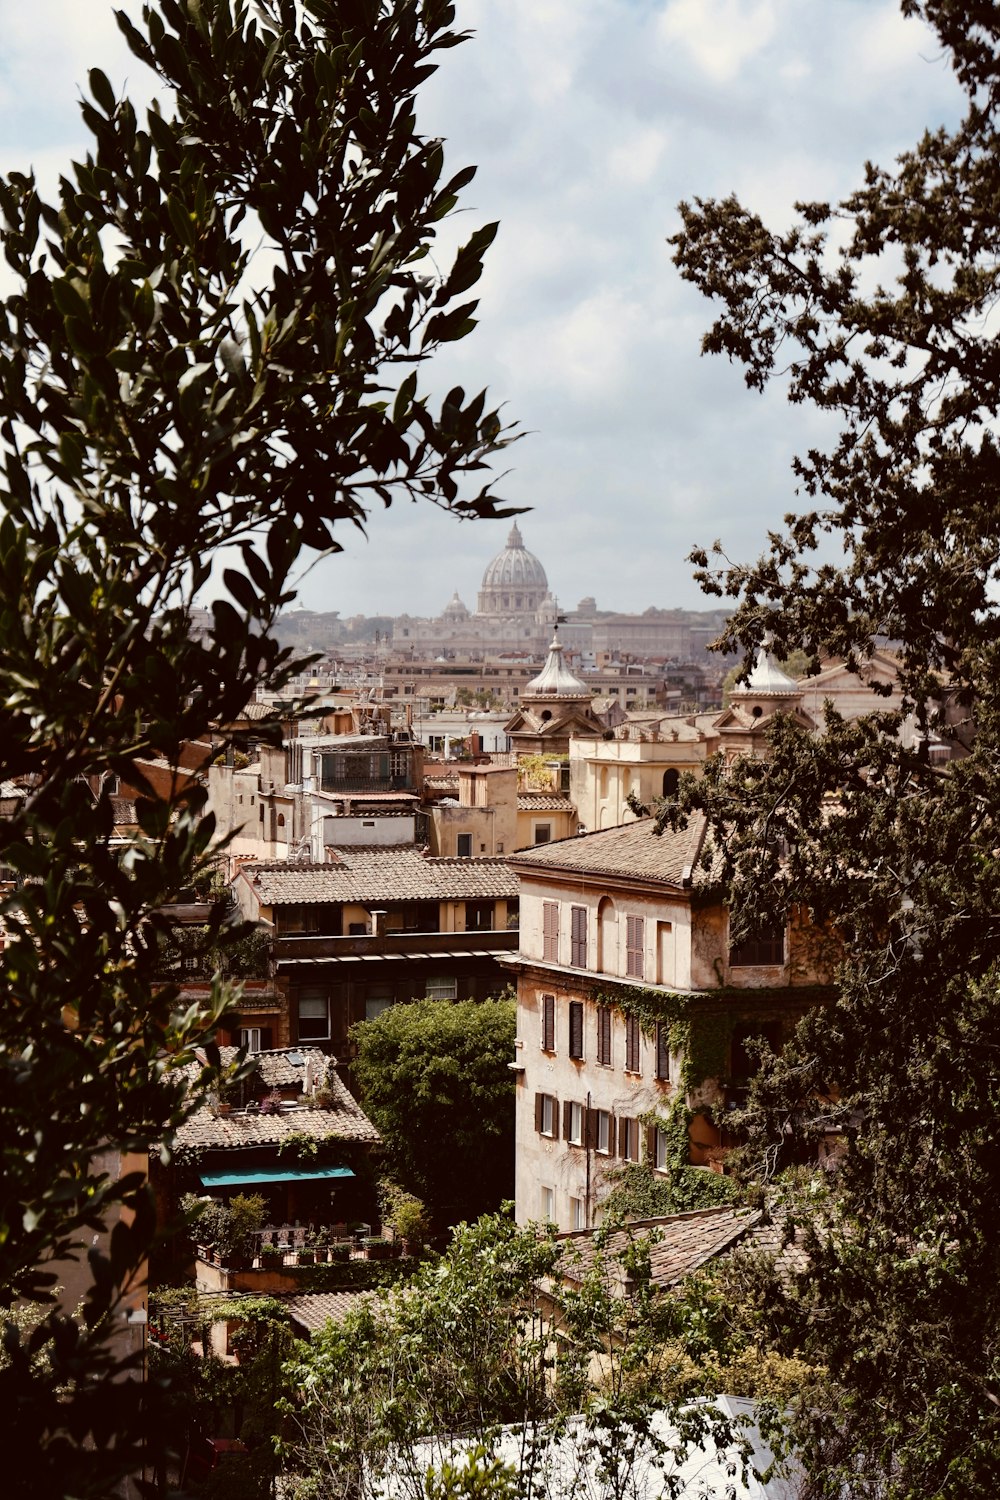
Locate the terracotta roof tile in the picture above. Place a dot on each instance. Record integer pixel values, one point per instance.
(345, 1119)
(313, 1310)
(631, 850)
(679, 1244)
(371, 875)
(543, 802)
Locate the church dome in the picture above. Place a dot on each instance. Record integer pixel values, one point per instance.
(555, 680)
(455, 609)
(514, 582)
(766, 679)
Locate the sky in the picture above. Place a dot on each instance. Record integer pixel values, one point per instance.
(589, 121)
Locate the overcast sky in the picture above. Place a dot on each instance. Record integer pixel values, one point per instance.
(589, 120)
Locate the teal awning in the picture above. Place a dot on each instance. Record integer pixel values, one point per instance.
(247, 1176)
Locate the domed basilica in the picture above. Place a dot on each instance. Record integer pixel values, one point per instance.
(515, 612)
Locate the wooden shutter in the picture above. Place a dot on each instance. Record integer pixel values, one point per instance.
(590, 1129)
(651, 1145)
(548, 1023)
(576, 1029)
(632, 1044)
(578, 937)
(550, 931)
(539, 1105)
(635, 928)
(555, 1119)
(567, 1106)
(612, 1122)
(662, 1050)
(604, 1035)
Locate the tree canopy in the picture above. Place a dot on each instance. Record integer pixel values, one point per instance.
(435, 1078)
(881, 310)
(214, 342)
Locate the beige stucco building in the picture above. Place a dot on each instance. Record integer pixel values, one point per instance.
(605, 915)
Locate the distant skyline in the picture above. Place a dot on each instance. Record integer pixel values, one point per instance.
(589, 120)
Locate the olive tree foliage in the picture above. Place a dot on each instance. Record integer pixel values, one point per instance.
(214, 341)
(484, 1375)
(882, 311)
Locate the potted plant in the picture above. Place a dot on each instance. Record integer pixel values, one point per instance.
(242, 1218)
(411, 1224)
(271, 1257)
(376, 1248)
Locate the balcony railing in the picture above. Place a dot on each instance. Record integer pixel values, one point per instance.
(292, 946)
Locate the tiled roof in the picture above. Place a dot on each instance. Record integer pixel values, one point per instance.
(313, 1310)
(543, 802)
(368, 875)
(345, 1118)
(442, 783)
(679, 1244)
(632, 851)
(122, 811)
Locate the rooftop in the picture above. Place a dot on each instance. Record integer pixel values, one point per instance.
(368, 875)
(678, 1244)
(632, 851)
(345, 1119)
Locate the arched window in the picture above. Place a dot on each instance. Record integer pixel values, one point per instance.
(671, 780)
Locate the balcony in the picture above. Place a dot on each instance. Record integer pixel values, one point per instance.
(310, 948)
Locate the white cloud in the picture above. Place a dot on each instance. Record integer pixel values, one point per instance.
(721, 36)
(590, 119)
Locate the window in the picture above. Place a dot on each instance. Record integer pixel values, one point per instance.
(378, 997)
(632, 1044)
(314, 1016)
(478, 916)
(635, 930)
(547, 1115)
(573, 1123)
(440, 987)
(663, 1051)
(548, 1196)
(604, 1035)
(602, 1132)
(751, 1040)
(671, 781)
(548, 1023)
(661, 1149)
(578, 937)
(576, 1029)
(543, 833)
(464, 845)
(628, 1139)
(255, 1038)
(577, 1213)
(765, 946)
(550, 931)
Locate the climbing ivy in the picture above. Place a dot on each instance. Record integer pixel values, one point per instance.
(700, 1031)
(637, 1192)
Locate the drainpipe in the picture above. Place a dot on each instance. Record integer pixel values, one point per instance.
(586, 1142)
